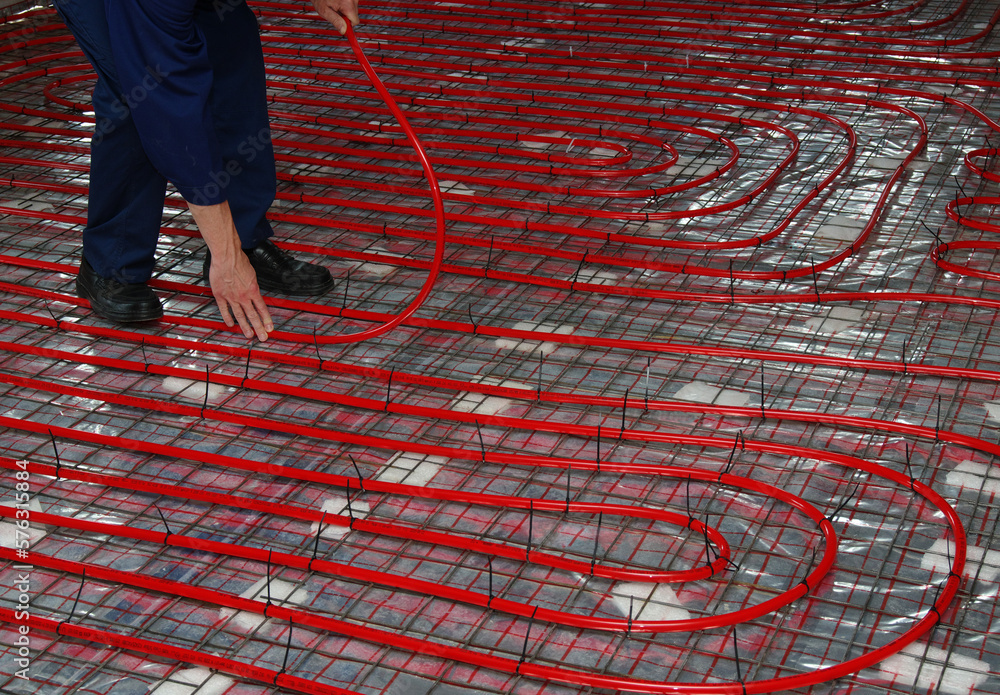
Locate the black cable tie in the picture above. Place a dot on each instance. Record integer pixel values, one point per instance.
(935, 611)
(531, 529)
(819, 298)
(208, 382)
(268, 582)
(489, 601)
(388, 389)
(631, 607)
(347, 285)
(736, 652)
(937, 238)
(937, 422)
(579, 267)
(246, 371)
(541, 368)
(288, 648)
(527, 634)
(56, 450)
(361, 480)
(350, 510)
(732, 457)
(732, 282)
(482, 444)
(621, 433)
(597, 538)
(708, 549)
(489, 258)
(909, 468)
(319, 355)
(962, 189)
(805, 579)
(844, 503)
(52, 315)
(475, 328)
(569, 477)
(145, 361)
(906, 344)
(319, 532)
(79, 592)
(951, 568)
(165, 524)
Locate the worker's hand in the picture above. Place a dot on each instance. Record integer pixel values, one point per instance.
(235, 288)
(233, 279)
(334, 11)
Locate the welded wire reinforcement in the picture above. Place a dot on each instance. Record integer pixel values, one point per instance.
(670, 366)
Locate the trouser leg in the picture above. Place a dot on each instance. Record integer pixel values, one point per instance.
(125, 205)
(239, 114)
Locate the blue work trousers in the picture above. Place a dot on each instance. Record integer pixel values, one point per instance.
(127, 190)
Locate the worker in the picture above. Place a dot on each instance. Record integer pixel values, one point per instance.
(180, 97)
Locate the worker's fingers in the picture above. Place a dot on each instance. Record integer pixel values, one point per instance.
(334, 11)
(265, 315)
(258, 323)
(224, 310)
(251, 315)
(350, 10)
(241, 319)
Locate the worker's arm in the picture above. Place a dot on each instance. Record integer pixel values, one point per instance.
(334, 12)
(233, 280)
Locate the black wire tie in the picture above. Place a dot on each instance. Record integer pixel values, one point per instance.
(482, 444)
(489, 601)
(598, 448)
(597, 538)
(246, 371)
(72, 611)
(361, 480)
(319, 355)
(268, 582)
(165, 524)
(208, 382)
(531, 529)
(347, 285)
(845, 502)
(621, 434)
(527, 635)
(388, 389)
(56, 449)
(909, 468)
(319, 532)
(288, 648)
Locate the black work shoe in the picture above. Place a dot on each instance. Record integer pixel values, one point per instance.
(117, 301)
(278, 272)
